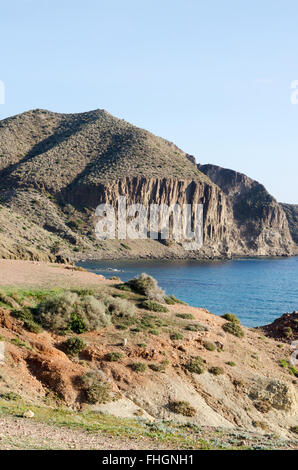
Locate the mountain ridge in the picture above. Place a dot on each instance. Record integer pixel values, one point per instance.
(56, 168)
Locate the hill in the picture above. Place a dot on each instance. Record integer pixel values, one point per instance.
(56, 168)
(180, 376)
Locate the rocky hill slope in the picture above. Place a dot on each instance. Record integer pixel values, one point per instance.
(261, 220)
(291, 211)
(166, 363)
(56, 168)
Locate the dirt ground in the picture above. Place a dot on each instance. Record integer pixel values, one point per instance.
(38, 274)
(21, 433)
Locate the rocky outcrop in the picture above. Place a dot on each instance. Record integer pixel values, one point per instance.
(284, 328)
(261, 221)
(291, 211)
(217, 227)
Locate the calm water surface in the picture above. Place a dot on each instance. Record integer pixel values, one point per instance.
(257, 290)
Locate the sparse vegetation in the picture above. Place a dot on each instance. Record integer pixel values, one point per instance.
(146, 285)
(96, 389)
(196, 327)
(182, 408)
(113, 356)
(139, 367)
(74, 345)
(195, 365)
(185, 316)
(10, 396)
(154, 306)
(171, 300)
(159, 367)
(69, 312)
(231, 364)
(176, 336)
(120, 308)
(263, 406)
(233, 329)
(209, 346)
(215, 370)
(231, 317)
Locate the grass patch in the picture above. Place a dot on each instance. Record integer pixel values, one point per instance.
(176, 336)
(138, 367)
(209, 346)
(195, 365)
(216, 370)
(113, 356)
(154, 306)
(185, 316)
(231, 317)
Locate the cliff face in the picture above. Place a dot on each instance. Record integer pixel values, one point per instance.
(291, 211)
(261, 221)
(218, 229)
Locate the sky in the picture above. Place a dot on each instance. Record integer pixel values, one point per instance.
(213, 77)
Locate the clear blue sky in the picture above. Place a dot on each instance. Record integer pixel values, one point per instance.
(212, 76)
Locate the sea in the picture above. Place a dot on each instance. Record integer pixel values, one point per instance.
(257, 290)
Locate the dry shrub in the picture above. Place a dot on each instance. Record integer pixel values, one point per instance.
(121, 307)
(95, 388)
(67, 311)
(182, 407)
(147, 286)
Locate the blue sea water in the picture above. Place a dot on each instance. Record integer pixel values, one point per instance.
(256, 290)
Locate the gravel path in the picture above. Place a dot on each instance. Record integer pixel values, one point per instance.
(23, 434)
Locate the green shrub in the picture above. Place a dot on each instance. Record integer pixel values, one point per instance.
(294, 429)
(113, 356)
(82, 292)
(146, 285)
(216, 370)
(233, 329)
(138, 366)
(231, 317)
(171, 300)
(231, 363)
(74, 345)
(159, 367)
(182, 408)
(124, 287)
(27, 317)
(288, 332)
(95, 388)
(197, 327)
(32, 326)
(196, 365)
(154, 332)
(176, 336)
(8, 300)
(209, 346)
(10, 396)
(154, 306)
(185, 316)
